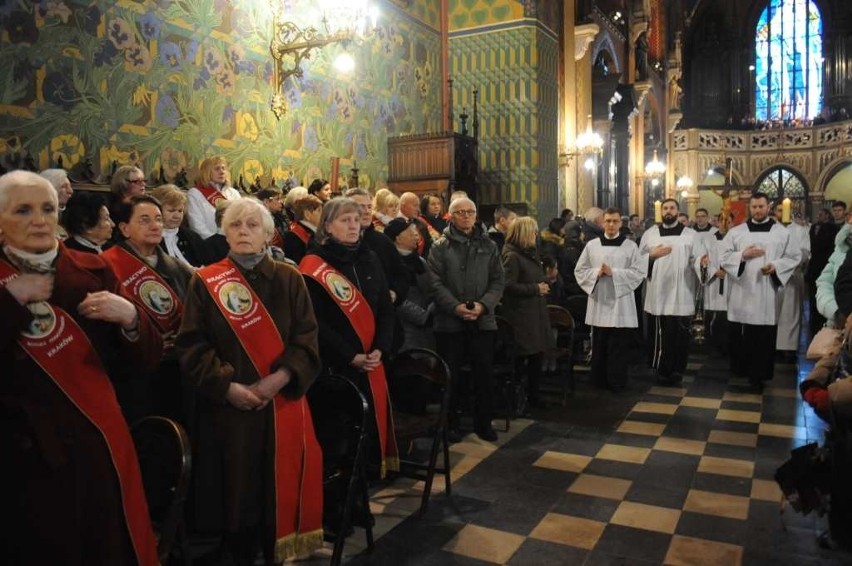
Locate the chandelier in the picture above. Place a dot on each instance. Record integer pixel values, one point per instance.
(589, 144)
(684, 184)
(340, 21)
(654, 170)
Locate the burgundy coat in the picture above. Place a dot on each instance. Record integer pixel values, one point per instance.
(60, 493)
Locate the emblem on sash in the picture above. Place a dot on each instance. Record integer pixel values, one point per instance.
(235, 298)
(339, 286)
(44, 320)
(157, 297)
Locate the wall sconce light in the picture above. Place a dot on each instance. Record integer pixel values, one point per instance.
(684, 185)
(342, 21)
(654, 170)
(590, 144)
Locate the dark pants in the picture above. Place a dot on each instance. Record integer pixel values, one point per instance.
(530, 367)
(717, 325)
(753, 353)
(477, 346)
(610, 347)
(669, 342)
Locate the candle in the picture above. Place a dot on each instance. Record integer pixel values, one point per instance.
(785, 211)
(658, 212)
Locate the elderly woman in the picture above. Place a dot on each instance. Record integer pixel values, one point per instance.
(72, 492)
(59, 179)
(157, 283)
(290, 199)
(307, 211)
(178, 241)
(248, 346)
(355, 315)
(525, 301)
(385, 208)
(321, 189)
(88, 223)
(212, 185)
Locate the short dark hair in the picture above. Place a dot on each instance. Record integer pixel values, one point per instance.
(704, 210)
(549, 262)
(316, 186)
(632, 216)
(612, 210)
(556, 225)
(758, 195)
(685, 215)
(677, 204)
(501, 212)
(268, 193)
(840, 203)
(124, 210)
(83, 211)
(566, 212)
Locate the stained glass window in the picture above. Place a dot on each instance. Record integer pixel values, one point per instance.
(781, 183)
(788, 61)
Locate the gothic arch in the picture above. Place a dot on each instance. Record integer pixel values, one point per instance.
(604, 43)
(829, 171)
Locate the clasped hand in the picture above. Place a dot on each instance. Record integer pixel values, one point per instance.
(660, 250)
(467, 314)
(257, 395)
(367, 362)
(606, 271)
(753, 251)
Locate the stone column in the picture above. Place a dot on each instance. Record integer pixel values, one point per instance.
(584, 35)
(568, 112)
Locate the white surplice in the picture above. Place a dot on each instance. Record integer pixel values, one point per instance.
(752, 299)
(791, 297)
(670, 290)
(716, 290)
(611, 302)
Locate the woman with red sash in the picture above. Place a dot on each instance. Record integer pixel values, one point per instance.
(71, 492)
(355, 315)
(307, 211)
(212, 186)
(158, 284)
(248, 346)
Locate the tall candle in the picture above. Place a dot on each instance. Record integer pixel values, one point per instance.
(658, 212)
(785, 211)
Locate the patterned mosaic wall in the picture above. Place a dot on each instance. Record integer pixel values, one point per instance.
(515, 70)
(472, 13)
(170, 82)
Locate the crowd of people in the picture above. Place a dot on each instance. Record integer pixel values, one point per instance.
(220, 309)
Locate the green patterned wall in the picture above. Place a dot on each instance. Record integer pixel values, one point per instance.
(515, 71)
(170, 82)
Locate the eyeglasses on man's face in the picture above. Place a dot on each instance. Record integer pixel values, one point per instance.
(465, 212)
(136, 181)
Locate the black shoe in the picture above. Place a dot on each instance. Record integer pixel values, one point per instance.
(486, 433)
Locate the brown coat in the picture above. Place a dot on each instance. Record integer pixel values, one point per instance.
(523, 306)
(60, 493)
(233, 464)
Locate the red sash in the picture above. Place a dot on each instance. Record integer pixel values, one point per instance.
(300, 231)
(298, 457)
(63, 351)
(360, 316)
(212, 194)
(146, 286)
(276, 239)
(433, 233)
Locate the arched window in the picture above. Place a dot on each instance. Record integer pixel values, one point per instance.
(789, 60)
(780, 183)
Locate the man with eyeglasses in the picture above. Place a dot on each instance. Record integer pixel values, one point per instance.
(467, 283)
(272, 199)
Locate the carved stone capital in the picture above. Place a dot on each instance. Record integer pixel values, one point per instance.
(584, 35)
(675, 116)
(642, 89)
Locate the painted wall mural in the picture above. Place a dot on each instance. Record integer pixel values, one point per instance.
(166, 83)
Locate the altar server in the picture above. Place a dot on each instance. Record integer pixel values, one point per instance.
(759, 257)
(609, 270)
(671, 249)
(791, 297)
(716, 289)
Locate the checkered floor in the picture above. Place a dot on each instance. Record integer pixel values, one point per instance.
(685, 478)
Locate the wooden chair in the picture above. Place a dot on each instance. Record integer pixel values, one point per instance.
(420, 386)
(339, 411)
(509, 387)
(165, 461)
(562, 323)
(577, 306)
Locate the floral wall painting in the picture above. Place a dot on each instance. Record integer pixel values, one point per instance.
(166, 83)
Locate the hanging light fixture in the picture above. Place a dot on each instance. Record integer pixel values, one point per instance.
(340, 21)
(590, 145)
(654, 170)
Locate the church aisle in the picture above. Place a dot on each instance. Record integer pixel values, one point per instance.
(685, 478)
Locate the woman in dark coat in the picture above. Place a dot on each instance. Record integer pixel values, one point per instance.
(158, 283)
(71, 491)
(354, 335)
(248, 346)
(525, 301)
(88, 223)
(178, 240)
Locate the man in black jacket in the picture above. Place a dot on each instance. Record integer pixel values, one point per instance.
(822, 235)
